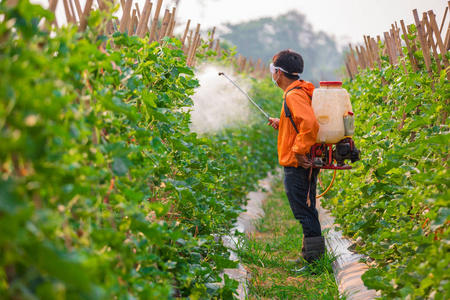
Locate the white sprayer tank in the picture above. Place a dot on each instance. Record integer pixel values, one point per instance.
(332, 107)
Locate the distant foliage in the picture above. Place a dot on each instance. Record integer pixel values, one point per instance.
(264, 37)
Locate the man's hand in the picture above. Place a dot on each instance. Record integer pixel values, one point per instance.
(274, 122)
(304, 161)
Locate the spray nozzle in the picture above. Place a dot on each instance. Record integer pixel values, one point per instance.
(221, 73)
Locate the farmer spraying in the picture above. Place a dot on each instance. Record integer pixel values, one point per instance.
(298, 130)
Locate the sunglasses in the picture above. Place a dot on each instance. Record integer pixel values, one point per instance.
(273, 69)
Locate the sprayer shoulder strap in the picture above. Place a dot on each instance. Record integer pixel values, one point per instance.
(287, 112)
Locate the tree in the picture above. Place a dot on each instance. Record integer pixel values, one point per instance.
(265, 37)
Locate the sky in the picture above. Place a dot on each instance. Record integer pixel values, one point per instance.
(346, 20)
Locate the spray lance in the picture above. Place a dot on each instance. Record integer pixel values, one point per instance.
(222, 73)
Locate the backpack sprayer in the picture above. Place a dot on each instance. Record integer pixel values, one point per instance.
(333, 110)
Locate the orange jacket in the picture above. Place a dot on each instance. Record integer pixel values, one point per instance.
(289, 142)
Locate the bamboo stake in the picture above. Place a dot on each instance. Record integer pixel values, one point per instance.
(135, 24)
(398, 44)
(102, 5)
(52, 7)
(375, 52)
(433, 45)
(185, 32)
(188, 49)
(217, 49)
(172, 22)
(193, 47)
(412, 59)
(86, 12)
(212, 38)
(389, 49)
(189, 43)
(73, 12)
(164, 25)
(138, 10)
(125, 16)
(130, 28)
(155, 22)
(243, 62)
(78, 7)
(143, 21)
(447, 35)
(353, 60)
(439, 42)
(365, 56)
(360, 60)
(443, 19)
(423, 43)
(172, 28)
(369, 51)
(349, 72)
(67, 11)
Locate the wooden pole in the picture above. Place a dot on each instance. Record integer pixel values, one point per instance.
(423, 44)
(67, 11)
(211, 38)
(143, 21)
(217, 49)
(164, 25)
(398, 44)
(353, 60)
(86, 12)
(52, 7)
(440, 43)
(375, 52)
(155, 21)
(443, 19)
(73, 12)
(183, 39)
(78, 7)
(193, 47)
(389, 48)
(447, 35)
(172, 23)
(125, 16)
(412, 59)
(369, 51)
(360, 58)
(130, 28)
(138, 10)
(431, 40)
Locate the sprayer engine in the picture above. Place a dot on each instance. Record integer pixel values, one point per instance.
(324, 155)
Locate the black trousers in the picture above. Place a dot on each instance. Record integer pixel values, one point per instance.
(297, 185)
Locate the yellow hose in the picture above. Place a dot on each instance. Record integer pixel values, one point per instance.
(329, 187)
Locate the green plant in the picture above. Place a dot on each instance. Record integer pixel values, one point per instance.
(105, 192)
(396, 199)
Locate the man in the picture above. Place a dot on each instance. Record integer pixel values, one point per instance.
(294, 144)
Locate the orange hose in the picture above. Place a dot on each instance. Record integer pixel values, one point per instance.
(329, 187)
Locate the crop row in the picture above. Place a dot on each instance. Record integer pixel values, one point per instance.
(105, 192)
(396, 202)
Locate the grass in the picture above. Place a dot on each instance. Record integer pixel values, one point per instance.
(266, 255)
